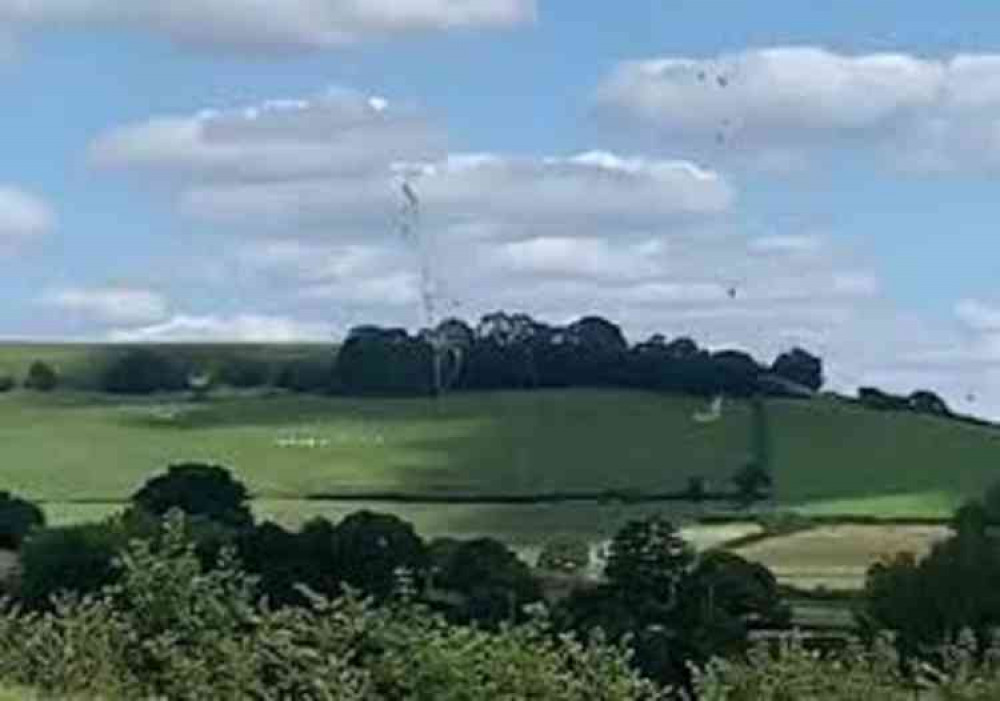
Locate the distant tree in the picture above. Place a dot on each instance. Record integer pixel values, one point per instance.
(371, 549)
(41, 377)
(753, 483)
(144, 371)
(18, 518)
(198, 490)
(385, 362)
(926, 402)
(647, 559)
(874, 398)
(800, 367)
(735, 373)
(566, 554)
(244, 372)
(7, 383)
(697, 489)
(306, 375)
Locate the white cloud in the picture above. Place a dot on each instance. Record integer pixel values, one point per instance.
(23, 216)
(978, 315)
(333, 165)
(254, 25)
(241, 328)
(786, 245)
(339, 133)
(778, 104)
(116, 305)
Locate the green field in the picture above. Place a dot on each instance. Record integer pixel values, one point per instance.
(828, 457)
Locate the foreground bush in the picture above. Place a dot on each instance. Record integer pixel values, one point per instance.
(169, 628)
(791, 672)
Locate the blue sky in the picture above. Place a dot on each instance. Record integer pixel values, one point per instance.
(836, 161)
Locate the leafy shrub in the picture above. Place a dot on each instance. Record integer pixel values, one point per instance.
(7, 383)
(41, 377)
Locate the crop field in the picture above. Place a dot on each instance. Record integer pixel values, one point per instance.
(836, 557)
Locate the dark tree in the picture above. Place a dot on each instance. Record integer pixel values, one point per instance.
(389, 362)
(800, 367)
(494, 582)
(371, 550)
(7, 383)
(306, 375)
(78, 559)
(283, 560)
(18, 518)
(200, 491)
(647, 559)
(735, 373)
(244, 372)
(144, 371)
(925, 402)
(41, 377)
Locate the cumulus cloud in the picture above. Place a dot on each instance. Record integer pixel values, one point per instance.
(254, 25)
(219, 329)
(340, 133)
(23, 216)
(117, 305)
(781, 102)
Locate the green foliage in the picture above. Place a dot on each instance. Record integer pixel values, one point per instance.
(170, 628)
(7, 383)
(370, 550)
(494, 583)
(18, 517)
(41, 377)
(78, 558)
(648, 558)
(201, 491)
(143, 371)
(565, 554)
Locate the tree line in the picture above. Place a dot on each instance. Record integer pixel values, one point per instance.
(667, 605)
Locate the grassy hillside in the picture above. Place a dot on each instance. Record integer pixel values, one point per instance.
(828, 457)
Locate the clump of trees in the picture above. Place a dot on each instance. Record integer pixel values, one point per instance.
(928, 601)
(41, 377)
(7, 383)
(515, 351)
(919, 402)
(675, 608)
(143, 371)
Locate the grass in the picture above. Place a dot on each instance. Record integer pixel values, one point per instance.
(828, 458)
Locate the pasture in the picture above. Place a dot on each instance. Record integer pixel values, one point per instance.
(827, 457)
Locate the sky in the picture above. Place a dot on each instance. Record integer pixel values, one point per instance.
(234, 170)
